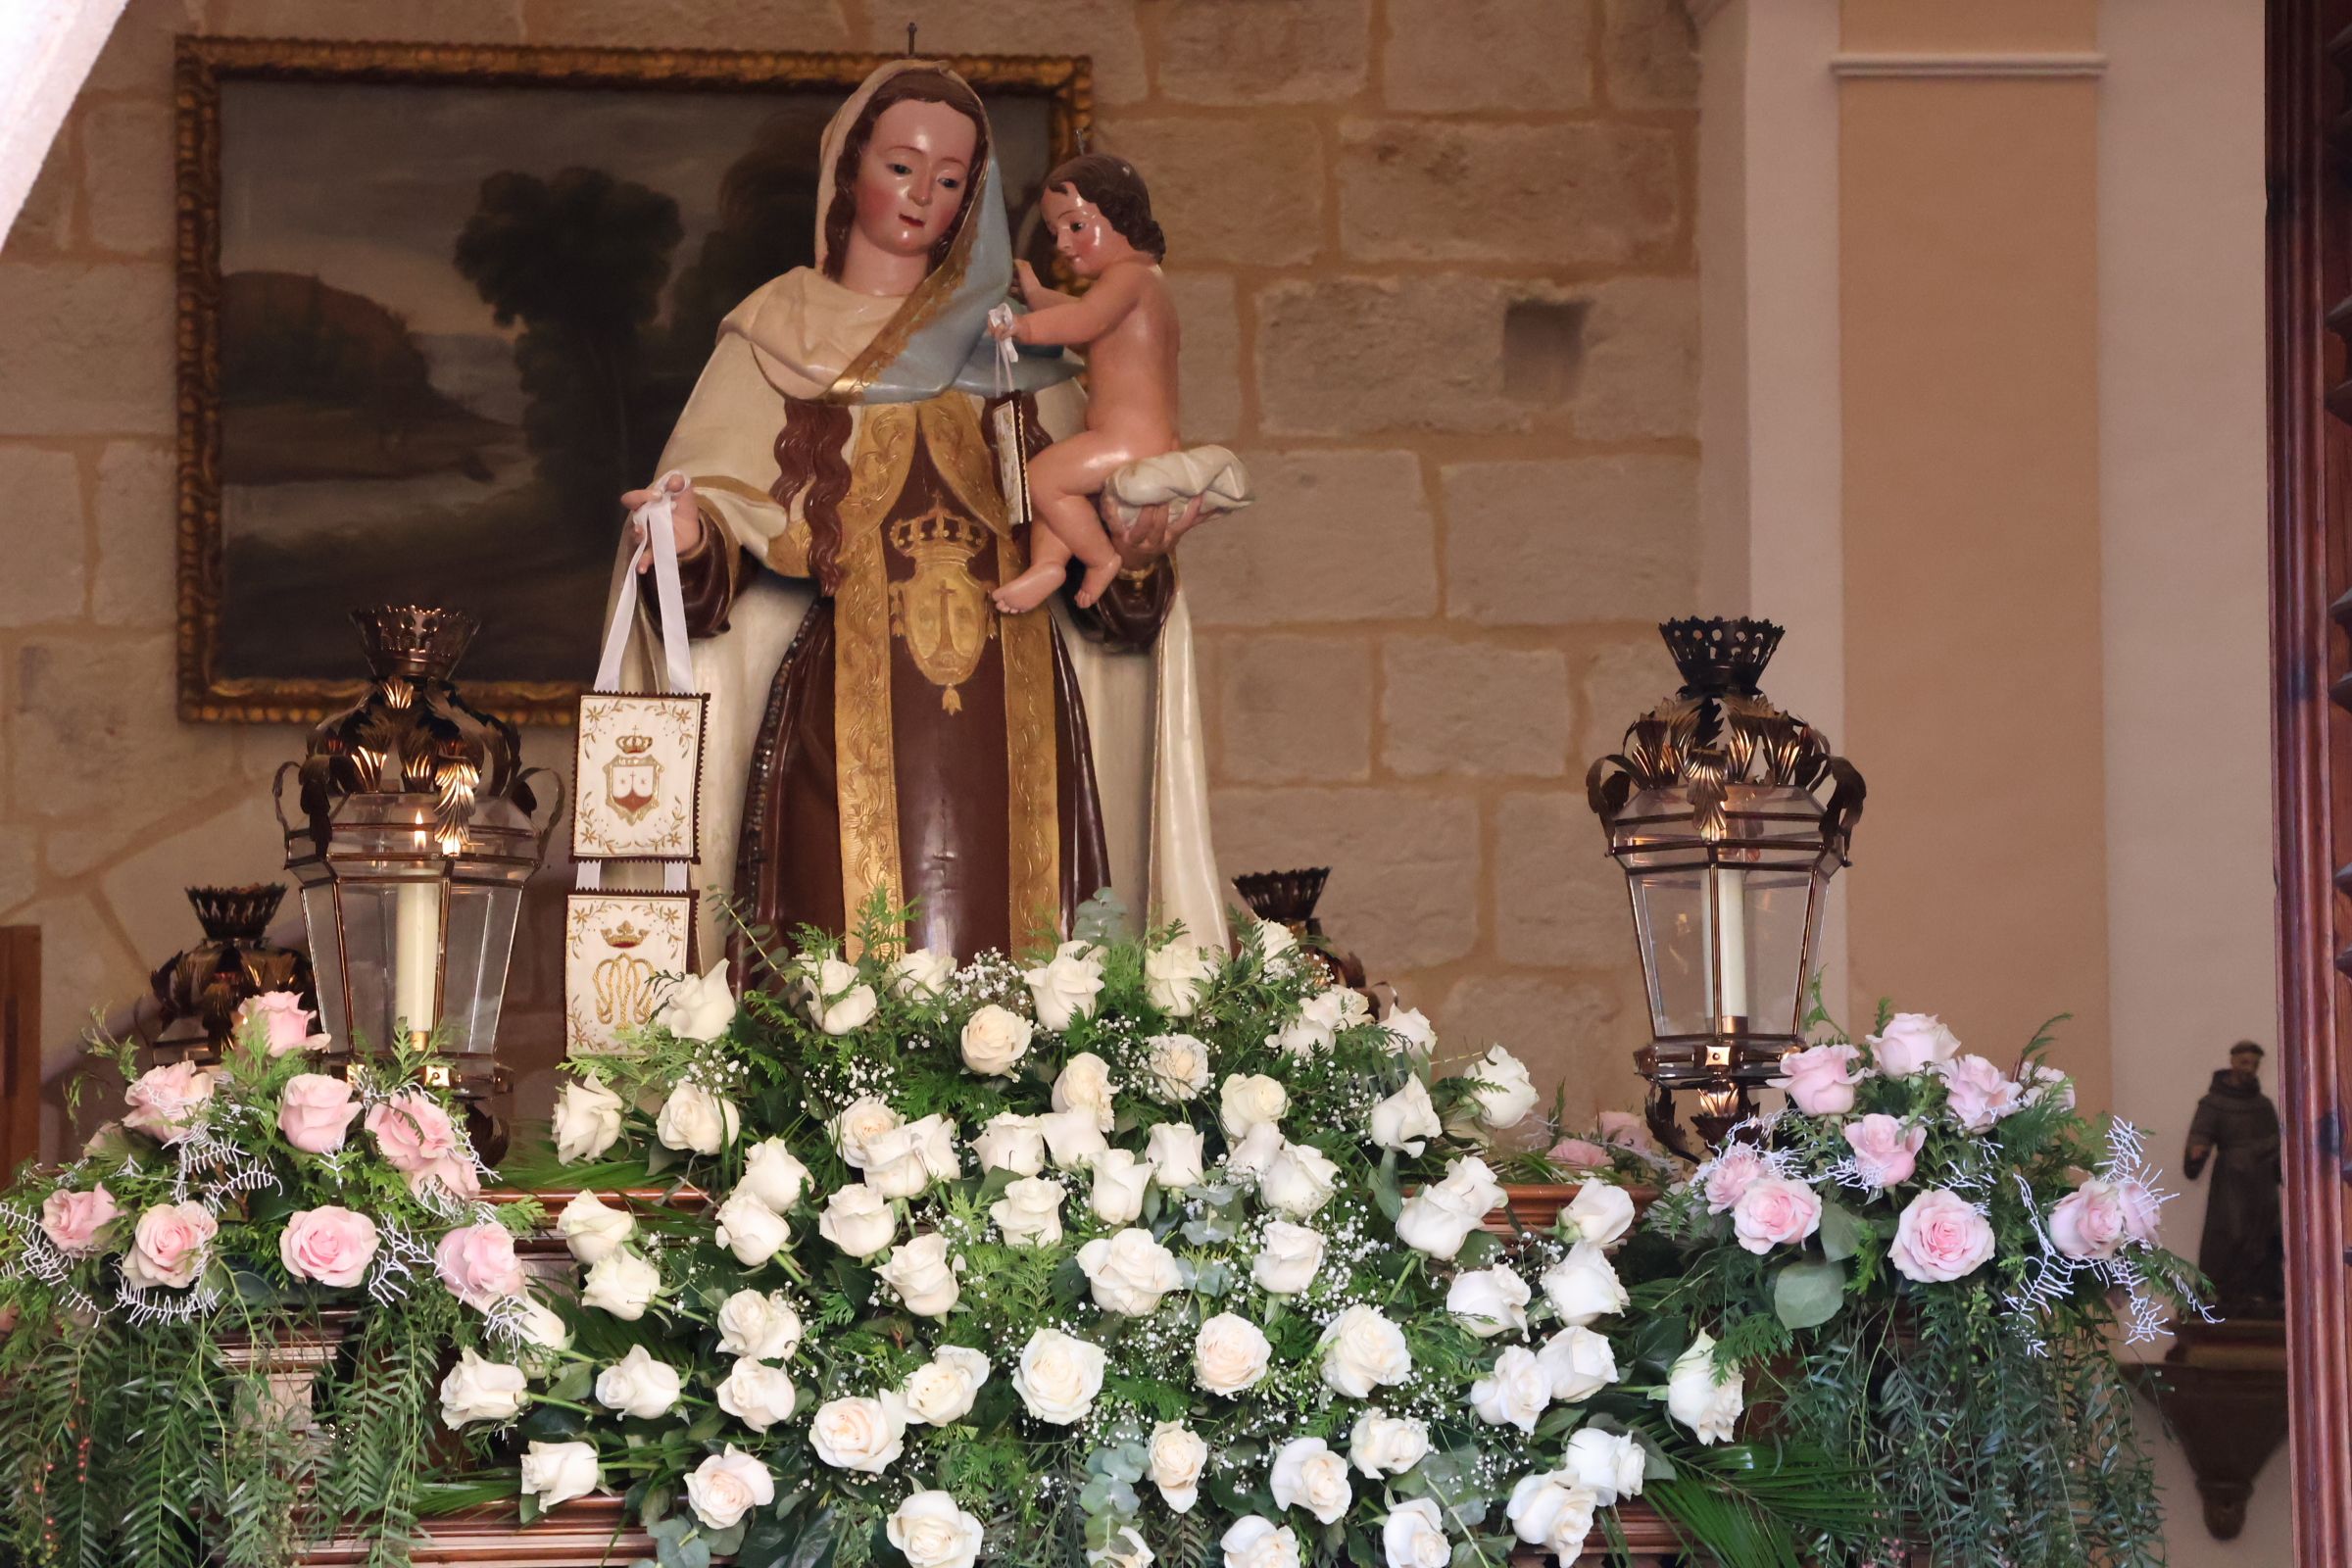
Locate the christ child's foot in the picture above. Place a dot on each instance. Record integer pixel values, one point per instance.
(1095, 582)
(1034, 587)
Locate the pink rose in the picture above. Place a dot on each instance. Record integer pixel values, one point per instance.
(2088, 1222)
(168, 1247)
(1939, 1238)
(314, 1112)
(1627, 1131)
(1978, 1091)
(455, 1174)
(1580, 1152)
(2038, 1081)
(73, 1220)
(1730, 1174)
(165, 1101)
(1886, 1151)
(332, 1246)
(1775, 1211)
(477, 1264)
(2142, 1212)
(411, 1130)
(1911, 1041)
(286, 1019)
(1821, 1079)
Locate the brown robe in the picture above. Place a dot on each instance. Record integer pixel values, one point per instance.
(915, 743)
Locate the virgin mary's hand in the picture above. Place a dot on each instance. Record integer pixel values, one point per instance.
(686, 519)
(1153, 533)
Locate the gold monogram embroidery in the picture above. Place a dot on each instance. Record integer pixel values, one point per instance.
(942, 611)
(1034, 808)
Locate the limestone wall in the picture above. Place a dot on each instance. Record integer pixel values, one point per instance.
(1438, 283)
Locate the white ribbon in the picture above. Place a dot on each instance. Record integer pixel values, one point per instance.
(1008, 353)
(658, 518)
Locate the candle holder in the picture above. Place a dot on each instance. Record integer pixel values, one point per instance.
(1728, 817)
(198, 992)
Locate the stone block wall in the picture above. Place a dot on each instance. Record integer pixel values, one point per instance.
(1436, 266)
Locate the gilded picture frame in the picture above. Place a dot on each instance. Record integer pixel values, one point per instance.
(349, 436)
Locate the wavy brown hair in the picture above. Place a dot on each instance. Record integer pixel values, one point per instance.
(915, 87)
(812, 464)
(1118, 193)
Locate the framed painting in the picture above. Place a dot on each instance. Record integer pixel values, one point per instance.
(439, 305)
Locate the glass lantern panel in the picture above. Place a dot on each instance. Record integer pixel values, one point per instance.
(1674, 922)
(481, 938)
(1777, 910)
(326, 933)
(376, 915)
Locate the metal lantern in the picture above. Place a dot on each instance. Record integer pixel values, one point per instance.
(413, 844)
(198, 993)
(1728, 817)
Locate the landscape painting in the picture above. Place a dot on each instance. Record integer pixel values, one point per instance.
(455, 308)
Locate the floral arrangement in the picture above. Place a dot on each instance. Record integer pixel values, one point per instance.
(1921, 1263)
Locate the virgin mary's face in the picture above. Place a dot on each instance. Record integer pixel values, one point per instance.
(912, 180)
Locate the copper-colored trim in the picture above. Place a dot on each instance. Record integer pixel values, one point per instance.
(202, 64)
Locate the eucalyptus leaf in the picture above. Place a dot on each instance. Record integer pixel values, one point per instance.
(1808, 1293)
(1841, 1232)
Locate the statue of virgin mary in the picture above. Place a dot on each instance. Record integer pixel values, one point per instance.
(875, 724)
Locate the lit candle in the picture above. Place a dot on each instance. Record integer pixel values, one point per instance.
(1731, 942)
(415, 954)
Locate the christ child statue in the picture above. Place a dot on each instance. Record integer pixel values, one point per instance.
(1099, 214)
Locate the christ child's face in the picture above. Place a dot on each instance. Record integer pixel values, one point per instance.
(1082, 235)
(913, 177)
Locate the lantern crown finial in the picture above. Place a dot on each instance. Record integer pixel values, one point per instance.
(413, 640)
(1721, 655)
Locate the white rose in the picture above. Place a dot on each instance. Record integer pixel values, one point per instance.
(1303, 1036)
(1230, 1353)
(1412, 1537)
(1516, 1392)
(1582, 1287)
(1299, 1181)
(1073, 1138)
(1274, 940)
(1489, 1302)
(1387, 1444)
(1580, 1364)
(1126, 1549)
(772, 1175)
(1611, 1463)
(587, 1122)
(940, 1393)
(1029, 1213)
(1602, 1212)
(1708, 1408)
(922, 974)
(1362, 1349)
(1178, 1455)
(639, 1386)
(1120, 1180)
(755, 1394)
(858, 1220)
(1176, 1153)
(859, 1120)
(1410, 1028)
(593, 1229)
(1306, 1474)
(1250, 1101)
(554, 1473)
(838, 1000)
(1085, 1085)
(1175, 1068)
(1553, 1512)
(859, 1434)
(726, 1486)
(1254, 1541)
(995, 1040)
(1320, 1019)
(1129, 1271)
(1255, 1151)
(621, 1284)
(901, 1162)
(1438, 1219)
(1288, 1259)
(1175, 975)
(541, 1326)
(1012, 1142)
(695, 1120)
(923, 1276)
(931, 1532)
(1065, 988)
(1407, 1120)
(760, 1324)
(1058, 1376)
(750, 1230)
(699, 1007)
(477, 1390)
(1505, 1092)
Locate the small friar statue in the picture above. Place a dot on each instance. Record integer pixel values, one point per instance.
(2238, 1127)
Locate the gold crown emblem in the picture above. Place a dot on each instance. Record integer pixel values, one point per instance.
(938, 538)
(635, 745)
(624, 936)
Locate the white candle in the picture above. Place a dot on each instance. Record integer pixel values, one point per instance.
(1731, 940)
(416, 954)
